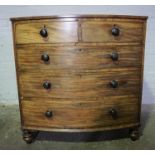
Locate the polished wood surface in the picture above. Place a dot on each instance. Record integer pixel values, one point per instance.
(79, 69)
(90, 16)
(98, 31)
(57, 32)
(80, 116)
(90, 84)
(75, 58)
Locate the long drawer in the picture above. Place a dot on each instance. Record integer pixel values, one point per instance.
(75, 58)
(87, 84)
(52, 114)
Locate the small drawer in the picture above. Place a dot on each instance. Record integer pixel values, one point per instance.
(45, 31)
(111, 31)
(112, 112)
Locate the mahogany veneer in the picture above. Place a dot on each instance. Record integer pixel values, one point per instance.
(79, 73)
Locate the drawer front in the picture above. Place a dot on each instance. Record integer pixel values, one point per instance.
(39, 113)
(72, 58)
(88, 84)
(114, 32)
(52, 32)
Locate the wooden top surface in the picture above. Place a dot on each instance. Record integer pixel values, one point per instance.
(78, 16)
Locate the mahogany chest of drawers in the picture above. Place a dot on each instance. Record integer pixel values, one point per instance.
(79, 73)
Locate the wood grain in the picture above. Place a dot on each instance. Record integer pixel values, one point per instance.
(90, 16)
(90, 84)
(80, 117)
(75, 58)
(98, 31)
(29, 32)
(80, 69)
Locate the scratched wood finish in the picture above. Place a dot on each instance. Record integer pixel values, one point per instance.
(80, 85)
(94, 31)
(29, 32)
(75, 58)
(80, 69)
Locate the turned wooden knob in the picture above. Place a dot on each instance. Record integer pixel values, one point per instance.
(43, 32)
(45, 57)
(114, 56)
(47, 85)
(113, 83)
(115, 31)
(113, 113)
(48, 114)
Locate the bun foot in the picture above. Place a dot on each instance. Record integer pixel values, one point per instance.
(134, 134)
(29, 136)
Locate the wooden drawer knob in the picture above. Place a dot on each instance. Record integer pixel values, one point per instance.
(43, 32)
(47, 85)
(113, 83)
(114, 56)
(115, 31)
(48, 114)
(113, 113)
(45, 57)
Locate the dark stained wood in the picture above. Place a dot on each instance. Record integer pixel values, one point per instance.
(80, 69)
(29, 135)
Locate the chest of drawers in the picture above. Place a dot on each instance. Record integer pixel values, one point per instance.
(79, 73)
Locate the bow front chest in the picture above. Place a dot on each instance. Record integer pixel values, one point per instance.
(79, 73)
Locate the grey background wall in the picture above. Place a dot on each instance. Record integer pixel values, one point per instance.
(8, 88)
